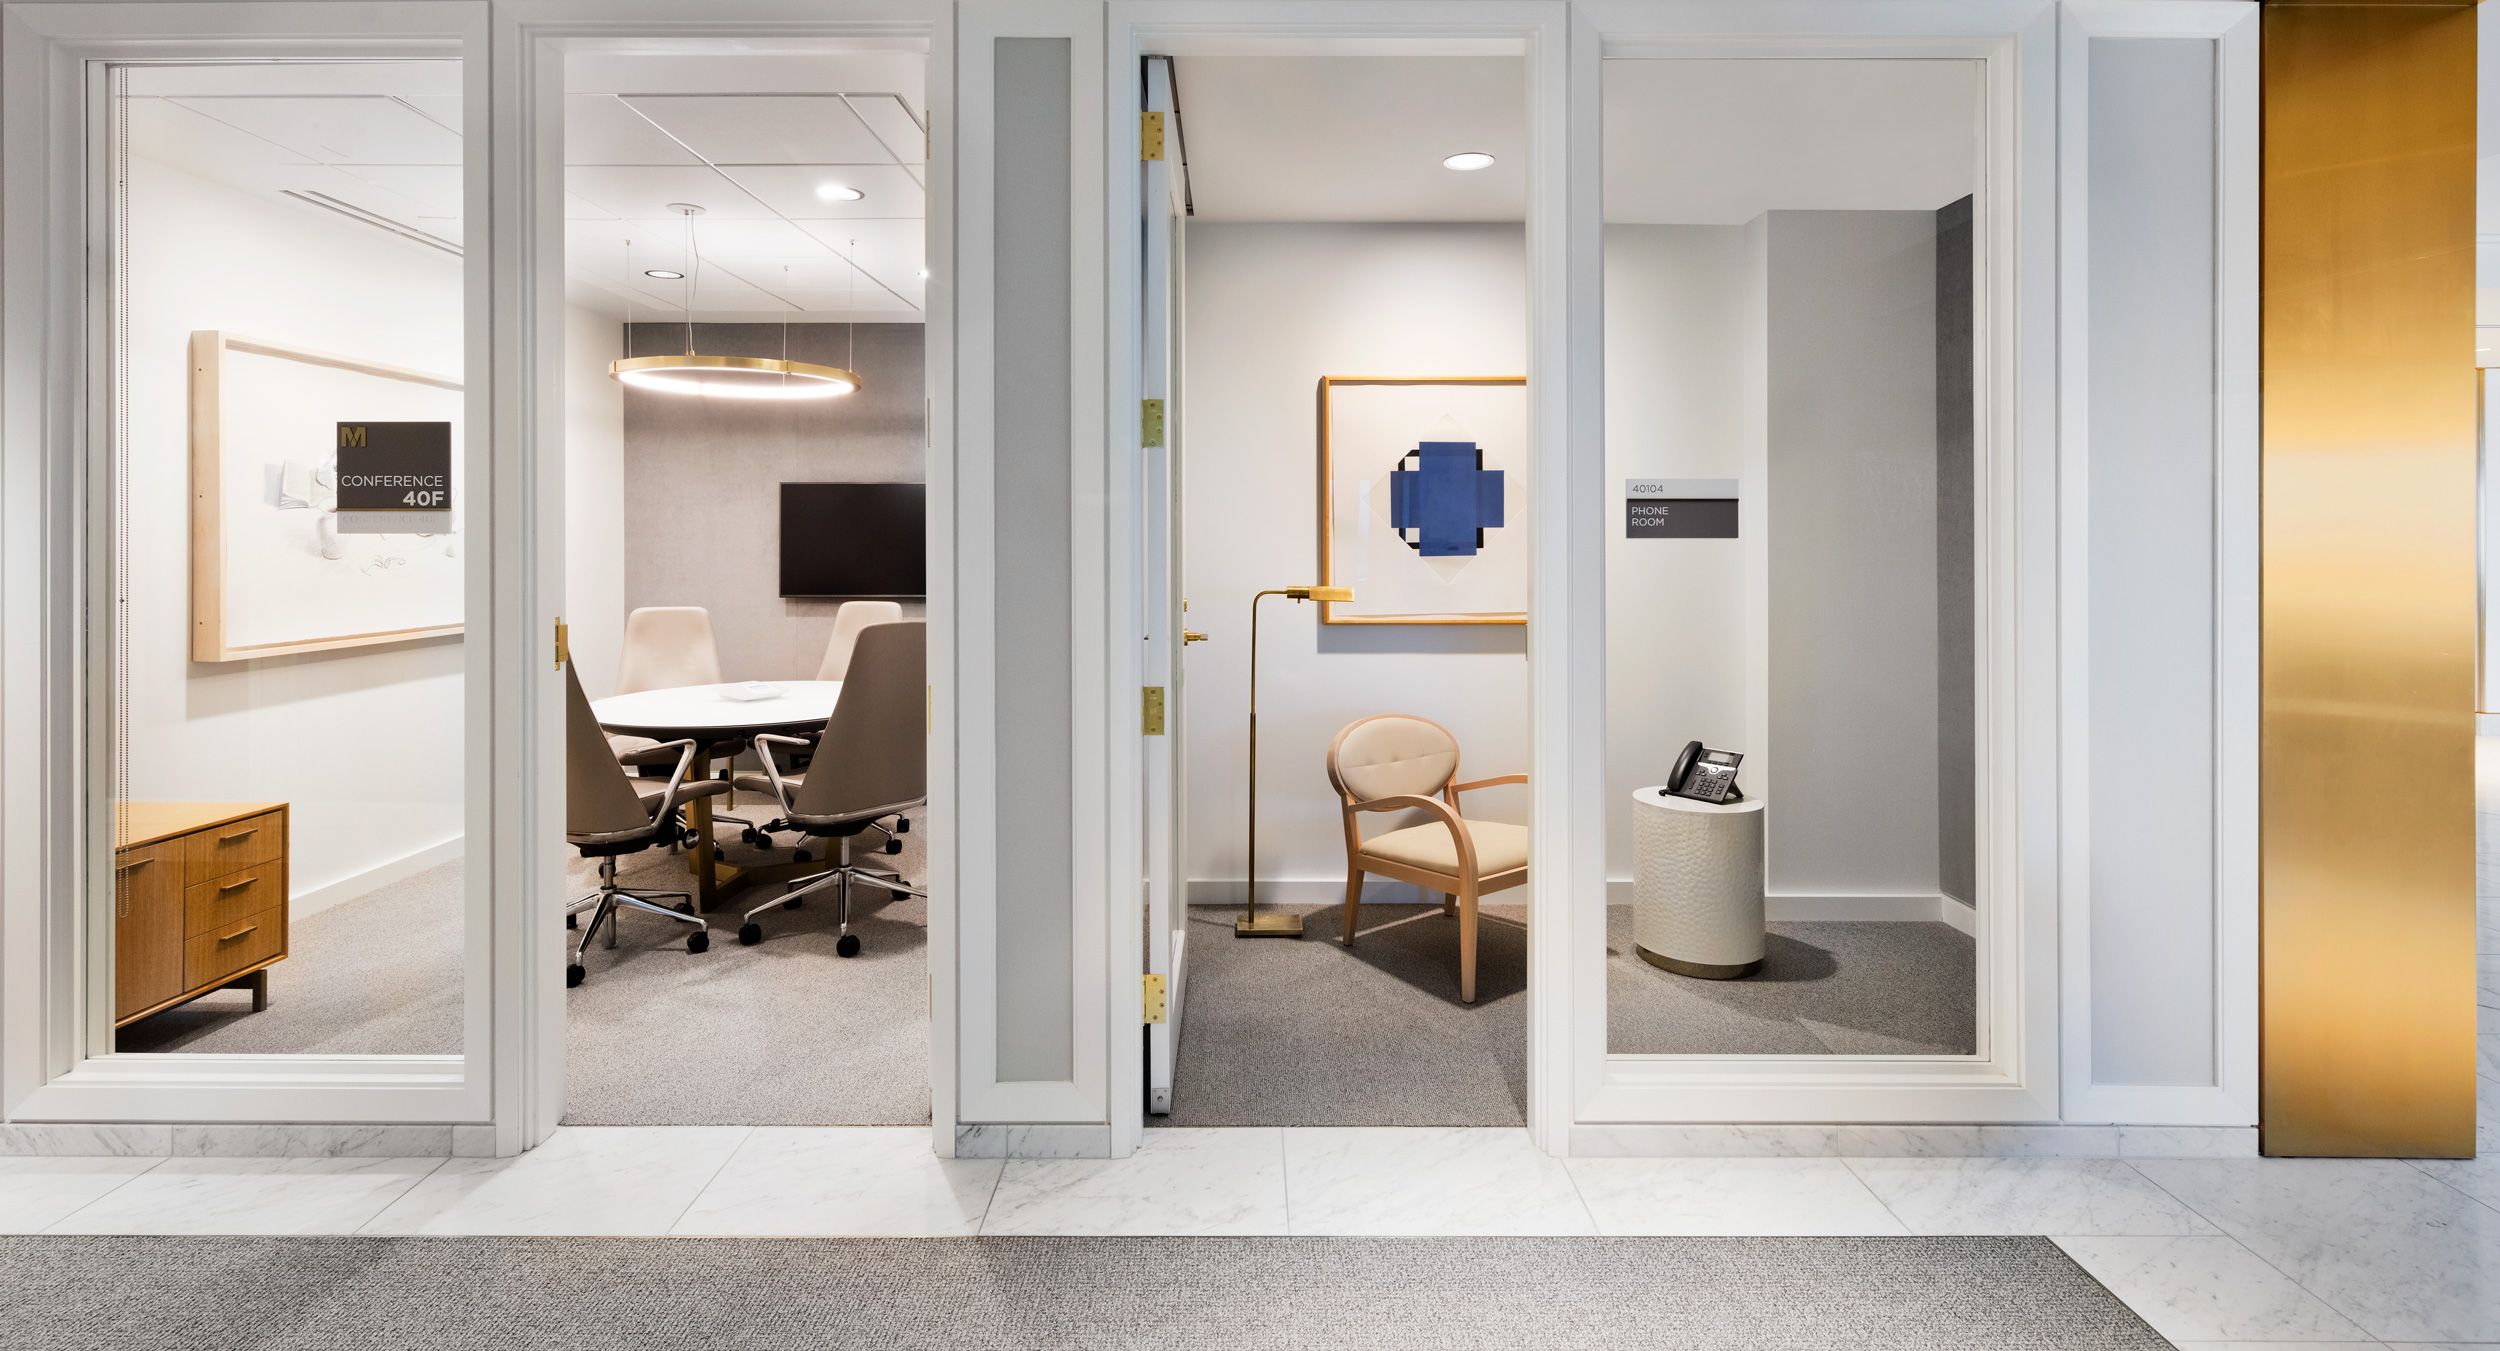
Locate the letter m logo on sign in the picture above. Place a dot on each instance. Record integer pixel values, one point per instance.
(351, 435)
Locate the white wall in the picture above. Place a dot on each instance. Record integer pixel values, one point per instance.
(365, 743)
(1271, 309)
(594, 497)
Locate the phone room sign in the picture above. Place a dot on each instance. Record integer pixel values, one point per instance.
(1679, 508)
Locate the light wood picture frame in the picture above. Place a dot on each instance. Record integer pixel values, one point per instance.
(261, 412)
(1351, 519)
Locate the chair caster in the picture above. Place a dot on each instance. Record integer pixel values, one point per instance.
(754, 837)
(894, 846)
(574, 975)
(902, 825)
(698, 941)
(572, 921)
(750, 934)
(794, 903)
(846, 946)
(802, 856)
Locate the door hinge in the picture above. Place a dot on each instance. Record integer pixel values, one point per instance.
(1150, 423)
(1150, 136)
(1154, 999)
(564, 645)
(1153, 710)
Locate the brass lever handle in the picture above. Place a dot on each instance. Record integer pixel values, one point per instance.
(1189, 636)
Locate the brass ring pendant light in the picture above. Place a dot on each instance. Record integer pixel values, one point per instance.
(719, 377)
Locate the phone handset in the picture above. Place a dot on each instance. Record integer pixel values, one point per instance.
(1705, 775)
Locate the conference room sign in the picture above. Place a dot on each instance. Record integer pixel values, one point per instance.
(1679, 508)
(394, 478)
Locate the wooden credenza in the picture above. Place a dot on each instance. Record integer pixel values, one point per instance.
(199, 902)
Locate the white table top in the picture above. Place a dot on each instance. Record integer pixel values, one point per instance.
(703, 711)
(1655, 796)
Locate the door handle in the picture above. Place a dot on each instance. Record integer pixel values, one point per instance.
(1189, 636)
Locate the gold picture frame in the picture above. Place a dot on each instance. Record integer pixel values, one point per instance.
(1328, 610)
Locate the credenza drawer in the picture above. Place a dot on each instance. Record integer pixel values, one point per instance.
(223, 951)
(227, 901)
(217, 850)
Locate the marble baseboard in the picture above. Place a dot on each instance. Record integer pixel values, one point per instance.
(75, 1139)
(312, 1142)
(1938, 1142)
(1053, 1141)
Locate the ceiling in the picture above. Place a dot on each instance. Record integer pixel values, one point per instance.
(1301, 137)
(749, 137)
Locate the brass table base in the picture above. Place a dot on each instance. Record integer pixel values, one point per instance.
(1698, 970)
(1268, 924)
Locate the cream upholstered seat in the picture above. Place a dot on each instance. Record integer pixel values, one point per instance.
(854, 616)
(665, 646)
(1394, 762)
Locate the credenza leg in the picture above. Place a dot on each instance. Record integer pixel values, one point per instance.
(260, 990)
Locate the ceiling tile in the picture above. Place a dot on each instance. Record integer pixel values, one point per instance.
(891, 120)
(338, 129)
(167, 131)
(765, 128)
(433, 189)
(645, 193)
(600, 129)
(891, 192)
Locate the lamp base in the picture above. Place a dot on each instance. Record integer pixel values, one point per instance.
(1268, 924)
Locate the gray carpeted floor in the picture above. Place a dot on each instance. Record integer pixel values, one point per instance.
(377, 975)
(1279, 1032)
(784, 1033)
(1731, 1294)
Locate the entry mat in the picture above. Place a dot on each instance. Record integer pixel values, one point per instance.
(348, 1294)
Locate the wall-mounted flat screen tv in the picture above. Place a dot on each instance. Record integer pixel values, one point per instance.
(842, 541)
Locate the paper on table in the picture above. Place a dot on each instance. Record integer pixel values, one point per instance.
(750, 691)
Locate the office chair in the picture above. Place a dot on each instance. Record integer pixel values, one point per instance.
(608, 814)
(848, 622)
(871, 762)
(665, 647)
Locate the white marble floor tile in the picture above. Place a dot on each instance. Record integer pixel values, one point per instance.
(2279, 1346)
(37, 1193)
(2025, 1196)
(1729, 1196)
(249, 1196)
(2208, 1287)
(2392, 1249)
(843, 1180)
(1212, 1180)
(584, 1180)
(1428, 1180)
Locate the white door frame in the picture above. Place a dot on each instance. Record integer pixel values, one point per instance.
(54, 947)
(2014, 1075)
(529, 41)
(1539, 31)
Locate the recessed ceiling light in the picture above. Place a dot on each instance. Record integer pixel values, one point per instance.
(663, 274)
(836, 192)
(1468, 161)
(924, 276)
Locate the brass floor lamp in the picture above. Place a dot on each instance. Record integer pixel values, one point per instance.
(1252, 924)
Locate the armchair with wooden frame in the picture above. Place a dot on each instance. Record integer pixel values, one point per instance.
(1394, 762)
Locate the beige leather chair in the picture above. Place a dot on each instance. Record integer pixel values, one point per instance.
(608, 814)
(854, 616)
(664, 646)
(872, 761)
(1394, 762)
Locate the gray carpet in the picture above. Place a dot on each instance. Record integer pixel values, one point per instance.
(464, 1294)
(784, 1033)
(1279, 1032)
(377, 975)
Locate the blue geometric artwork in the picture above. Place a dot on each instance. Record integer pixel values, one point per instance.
(1442, 499)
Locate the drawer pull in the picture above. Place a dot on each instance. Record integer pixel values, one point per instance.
(134, 864)
(245, 932)
(244, 834)
(236, 886)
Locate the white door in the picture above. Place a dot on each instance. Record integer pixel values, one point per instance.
(1165, 619)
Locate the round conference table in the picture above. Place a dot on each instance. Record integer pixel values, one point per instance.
(708, 716)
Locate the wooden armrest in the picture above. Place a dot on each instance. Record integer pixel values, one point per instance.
(1473, 784)
(1410, 802)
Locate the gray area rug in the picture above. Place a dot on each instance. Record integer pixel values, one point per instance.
(784, 1033)
(458, 1294)
(1280, 1032)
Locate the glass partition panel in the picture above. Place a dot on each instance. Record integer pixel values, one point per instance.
(1792, 729)
(285, 518)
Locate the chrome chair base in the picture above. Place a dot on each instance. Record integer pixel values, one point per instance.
(839, 877)
(610, 898)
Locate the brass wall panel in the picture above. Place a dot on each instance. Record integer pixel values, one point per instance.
(2369, 581)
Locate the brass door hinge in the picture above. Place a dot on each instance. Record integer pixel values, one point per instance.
(1150, 423)
(564, 646)
(1154, 1000)
(1153, 721)
(1150, 136)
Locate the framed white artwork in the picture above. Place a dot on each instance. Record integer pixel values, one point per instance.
(1423, 498)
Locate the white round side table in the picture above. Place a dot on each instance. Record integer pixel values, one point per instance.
(1697, 884)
